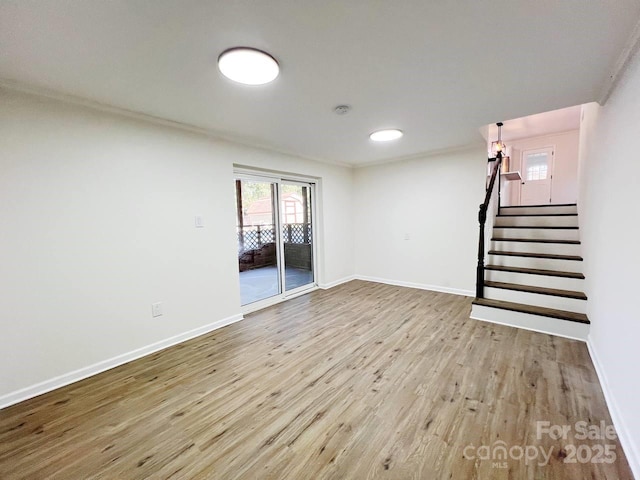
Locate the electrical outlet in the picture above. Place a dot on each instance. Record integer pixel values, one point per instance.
(407, 236)
(156, 309)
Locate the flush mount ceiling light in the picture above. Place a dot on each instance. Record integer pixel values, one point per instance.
(386, 135)
(248, 66)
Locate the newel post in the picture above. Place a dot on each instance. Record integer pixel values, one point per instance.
(482, 219)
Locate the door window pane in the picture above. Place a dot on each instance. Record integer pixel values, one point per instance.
(537, 166)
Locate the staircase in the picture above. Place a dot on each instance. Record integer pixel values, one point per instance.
(533, 278)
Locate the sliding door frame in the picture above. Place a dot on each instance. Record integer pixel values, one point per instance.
(314, 282)
(278, 180)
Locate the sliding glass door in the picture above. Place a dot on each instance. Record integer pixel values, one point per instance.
(256, 221)
(274, 220)
(297, 235)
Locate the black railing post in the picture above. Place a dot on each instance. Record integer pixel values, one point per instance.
(482, 219)
(499, 190)
(499, 165)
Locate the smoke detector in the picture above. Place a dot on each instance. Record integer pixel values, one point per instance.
(342, 109)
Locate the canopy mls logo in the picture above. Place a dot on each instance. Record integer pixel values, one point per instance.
(500, 453)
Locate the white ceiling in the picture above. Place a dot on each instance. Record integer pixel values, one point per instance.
(436, 69)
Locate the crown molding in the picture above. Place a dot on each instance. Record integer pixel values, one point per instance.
(629, 50)
(426, 154)
(144, 117)
(210, 133)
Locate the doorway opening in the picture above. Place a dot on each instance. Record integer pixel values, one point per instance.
(276, 245)
(540, 163)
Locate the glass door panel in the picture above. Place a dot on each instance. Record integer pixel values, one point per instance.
(297, 235)
(258, 240)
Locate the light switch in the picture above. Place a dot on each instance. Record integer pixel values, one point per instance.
(156, 309)
(199, 221)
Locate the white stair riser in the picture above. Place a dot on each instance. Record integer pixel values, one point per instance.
(538, 263)
(539, 300)
(553, 326)
(545, 210)
(536, 233)
(534, 247)
(547, 281)
(537, 221)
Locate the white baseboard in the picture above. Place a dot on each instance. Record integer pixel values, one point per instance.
(335, 283)
(85, 372)
(420, 286)
(626, 439)
(398, 283)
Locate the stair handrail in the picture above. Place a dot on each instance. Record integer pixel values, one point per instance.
(482, 220)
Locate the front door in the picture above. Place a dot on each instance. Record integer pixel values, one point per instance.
(536, 176)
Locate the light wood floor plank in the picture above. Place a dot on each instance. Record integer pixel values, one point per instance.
(363, 381)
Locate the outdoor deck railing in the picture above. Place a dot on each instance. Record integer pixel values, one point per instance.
(252, 237)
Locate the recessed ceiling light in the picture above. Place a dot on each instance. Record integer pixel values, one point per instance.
(248, 66)
(386, 135)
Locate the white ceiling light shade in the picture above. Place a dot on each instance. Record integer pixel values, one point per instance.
(386, 135)
(248, 66)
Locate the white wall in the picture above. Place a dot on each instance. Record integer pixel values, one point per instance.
(433, 199)
(97, 222)
(564, 185)
(610, 232)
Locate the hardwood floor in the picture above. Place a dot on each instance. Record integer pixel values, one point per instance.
(363, 381)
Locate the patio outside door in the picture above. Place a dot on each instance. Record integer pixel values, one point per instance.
(274, 220)
(258, 252)
(297, 235)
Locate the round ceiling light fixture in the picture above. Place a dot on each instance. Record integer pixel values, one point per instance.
(248, 66)
(386, 135)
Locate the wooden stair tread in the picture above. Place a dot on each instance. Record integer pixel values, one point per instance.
(536, 240)
(535, 271)
(536, 255)
(545, 205)
(531, 309)
(537, 227)
(541, 290)
(538, 215)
